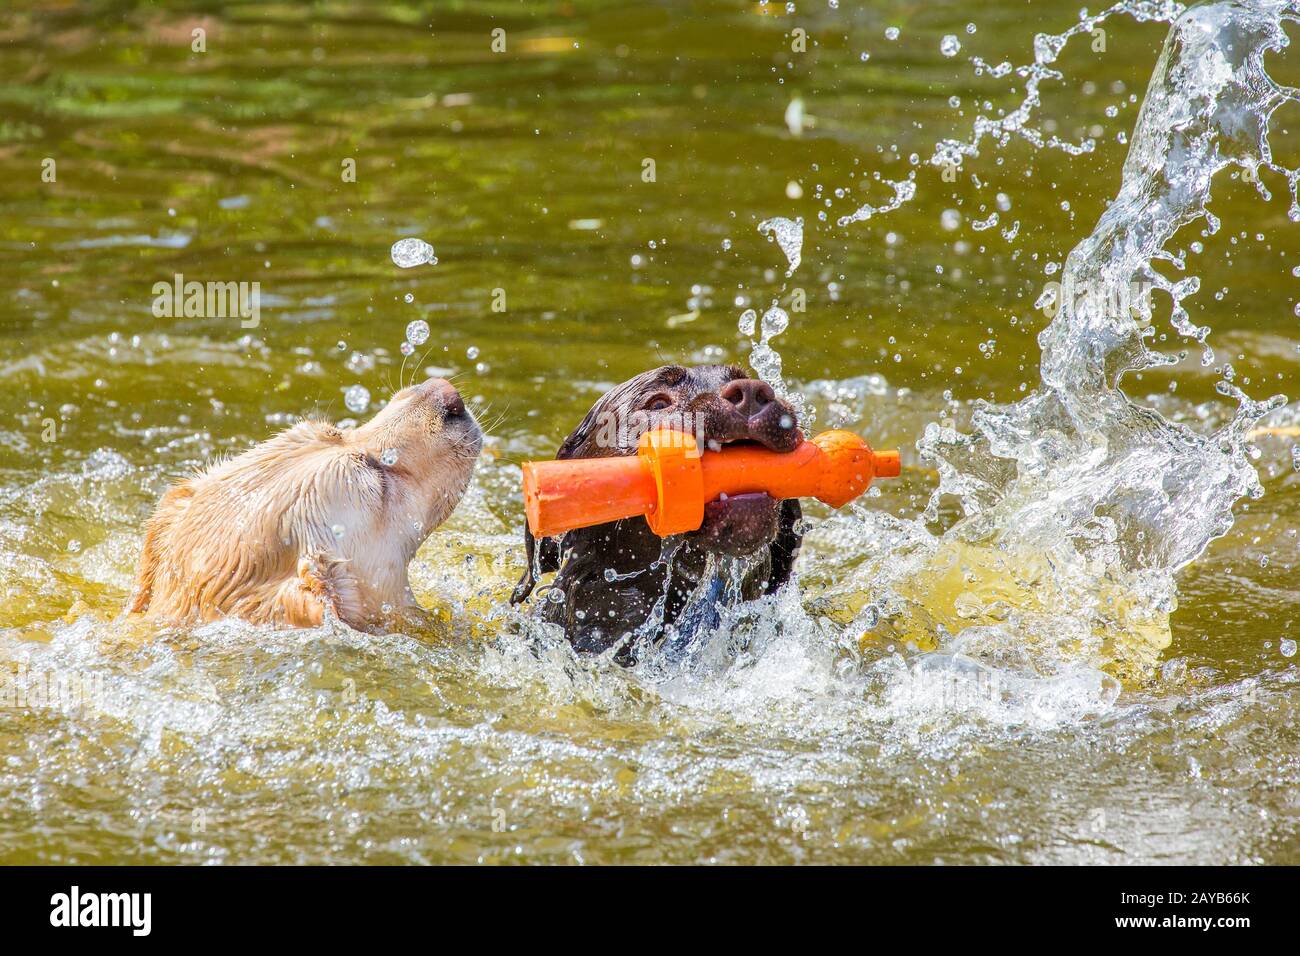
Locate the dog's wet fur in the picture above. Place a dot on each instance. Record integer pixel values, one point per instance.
(724, 405)
(316, 521)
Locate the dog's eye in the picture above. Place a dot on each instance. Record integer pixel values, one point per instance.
(657, 402)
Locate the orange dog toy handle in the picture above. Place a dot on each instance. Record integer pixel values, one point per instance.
(669, 480)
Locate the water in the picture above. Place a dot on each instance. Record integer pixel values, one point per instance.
(417, 332)
(1085, 501)
(788, 235)
(961, 677)
(356, 398)
(409, 253)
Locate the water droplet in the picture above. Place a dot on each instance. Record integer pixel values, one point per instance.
(389, 457)
(471, 352)
(950, 219)
(1287, 647)
(788, 234)
(949, 45)
(417, 332)
(409, 297)
(409, 253)
(610, 575)
(339, 530)
(891, 33)
(775, 321)
(356, 398)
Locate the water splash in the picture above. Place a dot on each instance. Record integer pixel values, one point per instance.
(765, 360)
(1017, 123)
(904, 191)
(788, 234)
(1080, 505)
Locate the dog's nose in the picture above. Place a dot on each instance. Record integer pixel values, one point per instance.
(750, 396)
(453, 406)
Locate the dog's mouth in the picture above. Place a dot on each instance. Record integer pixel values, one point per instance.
(740, 525)
(716, 445)
(775, 427)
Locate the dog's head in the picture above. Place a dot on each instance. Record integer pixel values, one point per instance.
(315, 516)
(426, 442)
(718, 405)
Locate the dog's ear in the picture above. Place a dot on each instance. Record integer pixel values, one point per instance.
(615, 411)
(542, 559)
(785, 546)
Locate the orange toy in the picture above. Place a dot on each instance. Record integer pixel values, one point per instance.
(669, 480)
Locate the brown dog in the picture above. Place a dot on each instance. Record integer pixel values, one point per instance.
(318, 520)
(614, 585)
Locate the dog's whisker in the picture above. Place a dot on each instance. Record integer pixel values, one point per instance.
(420, 363)
(401, 374)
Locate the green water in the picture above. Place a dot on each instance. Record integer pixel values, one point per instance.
(524, 169)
